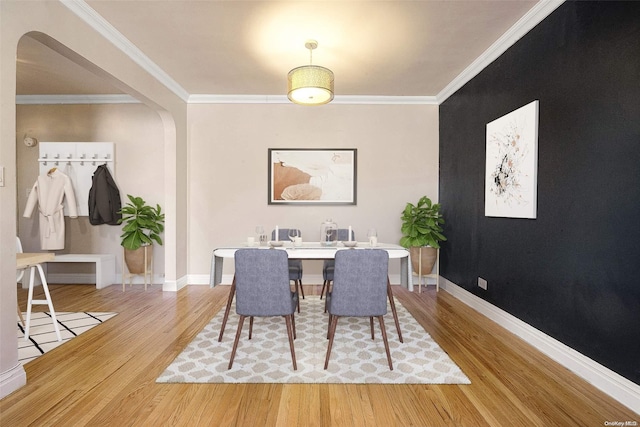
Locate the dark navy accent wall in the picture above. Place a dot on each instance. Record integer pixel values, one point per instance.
(574, 272)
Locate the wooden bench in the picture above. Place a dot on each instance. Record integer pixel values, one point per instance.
(105, 266)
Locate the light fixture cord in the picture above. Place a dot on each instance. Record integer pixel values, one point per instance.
(310, 56)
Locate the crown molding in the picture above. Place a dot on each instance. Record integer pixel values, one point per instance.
(237, 99)
(385, 100)
(74, 99)
(338, 99)
(530, 19)
(103, 27)
(222, 99)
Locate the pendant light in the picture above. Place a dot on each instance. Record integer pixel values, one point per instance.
(310, 84)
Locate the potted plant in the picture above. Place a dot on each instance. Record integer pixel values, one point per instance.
(142, 226)
(422, 233)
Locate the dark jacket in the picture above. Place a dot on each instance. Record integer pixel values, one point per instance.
(104, 198)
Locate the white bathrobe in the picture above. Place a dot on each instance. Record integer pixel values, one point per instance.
(48, 193)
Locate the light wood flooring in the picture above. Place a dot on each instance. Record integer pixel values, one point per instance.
(106, 376)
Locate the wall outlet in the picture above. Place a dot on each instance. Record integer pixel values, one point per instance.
(482, 283)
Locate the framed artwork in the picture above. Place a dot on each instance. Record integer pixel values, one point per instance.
(511, 177)
(312, 176)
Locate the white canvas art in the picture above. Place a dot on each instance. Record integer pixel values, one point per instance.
(512, 164)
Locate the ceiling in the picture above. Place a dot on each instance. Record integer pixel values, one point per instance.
(235, 47)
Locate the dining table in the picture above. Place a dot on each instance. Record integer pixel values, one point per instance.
(313, 251)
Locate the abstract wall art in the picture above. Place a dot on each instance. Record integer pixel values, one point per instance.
(512, 164)
(312, 176)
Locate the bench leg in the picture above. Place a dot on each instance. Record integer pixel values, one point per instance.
(105, 272)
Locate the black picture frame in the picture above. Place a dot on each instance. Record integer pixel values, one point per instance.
(312, 176)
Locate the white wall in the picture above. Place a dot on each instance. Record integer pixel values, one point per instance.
(397, 163)
(53, 24)
(137, 134)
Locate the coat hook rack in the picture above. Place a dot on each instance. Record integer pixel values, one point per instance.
(79, 161)
(70, 159)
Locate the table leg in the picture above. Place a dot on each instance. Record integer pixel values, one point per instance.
(406, 278)
(47, 301)
(32, 271)
(20, 316)
(215, 278)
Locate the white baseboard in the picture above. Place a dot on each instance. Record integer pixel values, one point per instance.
(12, 380)
(175, 285)
(84, 278)
(77, 278)
(611, 383)
(80, 278)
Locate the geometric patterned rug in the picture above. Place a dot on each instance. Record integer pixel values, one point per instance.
(42, 335)
(355, 357)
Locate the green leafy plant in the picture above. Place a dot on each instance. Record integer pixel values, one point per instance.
(422, 224)
(143, 223)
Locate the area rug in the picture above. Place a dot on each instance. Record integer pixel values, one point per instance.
(42, 335)
(355, 357)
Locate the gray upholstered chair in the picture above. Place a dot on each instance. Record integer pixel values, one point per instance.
(327, 268)
(295, 265)
(328, 272)
(359, 290)
(263, 290)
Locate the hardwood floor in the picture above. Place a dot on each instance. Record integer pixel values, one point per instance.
(106, 376)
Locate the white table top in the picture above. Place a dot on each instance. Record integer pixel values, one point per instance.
(24, 260)
(314, 250)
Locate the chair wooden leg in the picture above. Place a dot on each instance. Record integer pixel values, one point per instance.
(386, 343)
(250, 326)
(291, 333)
(298, 291)
(393, 309)
(326, 300)
(293, 323)
(232, 292)
(372, 332)
(235, 343)
(299, 283)
(324, 286)
(332, 331)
